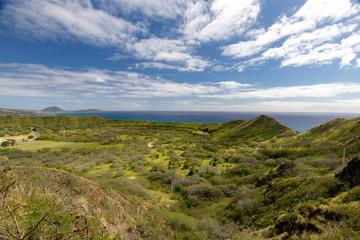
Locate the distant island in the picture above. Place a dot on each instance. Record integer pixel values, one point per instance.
(46, 111)
(55, 109)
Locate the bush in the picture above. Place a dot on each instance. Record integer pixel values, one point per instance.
(5, 144)
(203, 191)
(182, 222)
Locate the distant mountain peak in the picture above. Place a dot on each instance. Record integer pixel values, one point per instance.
(52, 109)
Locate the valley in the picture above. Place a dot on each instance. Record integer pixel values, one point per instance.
(95, 178)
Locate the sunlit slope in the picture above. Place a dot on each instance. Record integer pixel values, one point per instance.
(260, 127)
(71, 206)
(339, 129)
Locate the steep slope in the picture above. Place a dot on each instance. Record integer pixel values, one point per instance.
(260, 127)
(339, 129)
(65, 206)
(231, 124)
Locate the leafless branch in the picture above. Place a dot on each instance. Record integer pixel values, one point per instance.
(52, 224)
(6, 238)
(37, 224)
(13, 216)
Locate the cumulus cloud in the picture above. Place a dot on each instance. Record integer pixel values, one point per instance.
(203, 22)
(219, 19)
(167, 54)
(314, 48)
(112, 23)
(158, 49)
(171, 34)
(307, 36)
(68, 20)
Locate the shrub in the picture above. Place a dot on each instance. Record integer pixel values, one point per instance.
(5, 144)
(203, 191)
(182, 222)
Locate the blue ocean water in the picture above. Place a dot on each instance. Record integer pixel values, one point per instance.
(297, 121)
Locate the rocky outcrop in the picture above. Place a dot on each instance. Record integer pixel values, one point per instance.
(351, 173)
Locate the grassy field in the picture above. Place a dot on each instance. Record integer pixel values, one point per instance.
(54, 146)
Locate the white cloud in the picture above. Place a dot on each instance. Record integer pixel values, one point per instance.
(341, 106)
(175, 53)
(322, 10)
(204, 21)
(103, 23)
(151, 8)
(158, 49)
(314, 24)
(196, 64)
(309, 91)
(305, 42)
(129, 105)
(40, 81)
(333, 106)
(170, 34)
(158, 65)
(232, 85)
(68, 20)
(219, 19)
(116, 57)
(139, 91)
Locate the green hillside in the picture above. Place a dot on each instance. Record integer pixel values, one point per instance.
(94, 178)
(71, 207)
(335, 130)
(260, 127)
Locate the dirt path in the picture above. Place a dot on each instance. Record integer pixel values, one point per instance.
(150, 144)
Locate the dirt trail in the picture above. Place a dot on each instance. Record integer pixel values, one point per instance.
(150, 144)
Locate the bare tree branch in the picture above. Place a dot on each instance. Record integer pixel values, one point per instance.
(12, 214)
(6, 238)
(38, 223)
(13, 235)
(53, 225)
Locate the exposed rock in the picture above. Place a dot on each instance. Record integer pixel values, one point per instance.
(351, 173)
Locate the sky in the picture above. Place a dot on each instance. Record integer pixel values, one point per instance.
(181, 55)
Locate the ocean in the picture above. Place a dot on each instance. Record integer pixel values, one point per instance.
(297, 121)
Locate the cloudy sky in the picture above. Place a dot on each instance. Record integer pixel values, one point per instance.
(215, 55)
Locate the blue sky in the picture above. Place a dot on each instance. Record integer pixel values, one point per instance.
(219, 55)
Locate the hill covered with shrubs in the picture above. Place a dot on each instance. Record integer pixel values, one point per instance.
(120, 179)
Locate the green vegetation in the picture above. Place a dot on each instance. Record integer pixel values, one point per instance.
(51, 145)
(94, 178)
